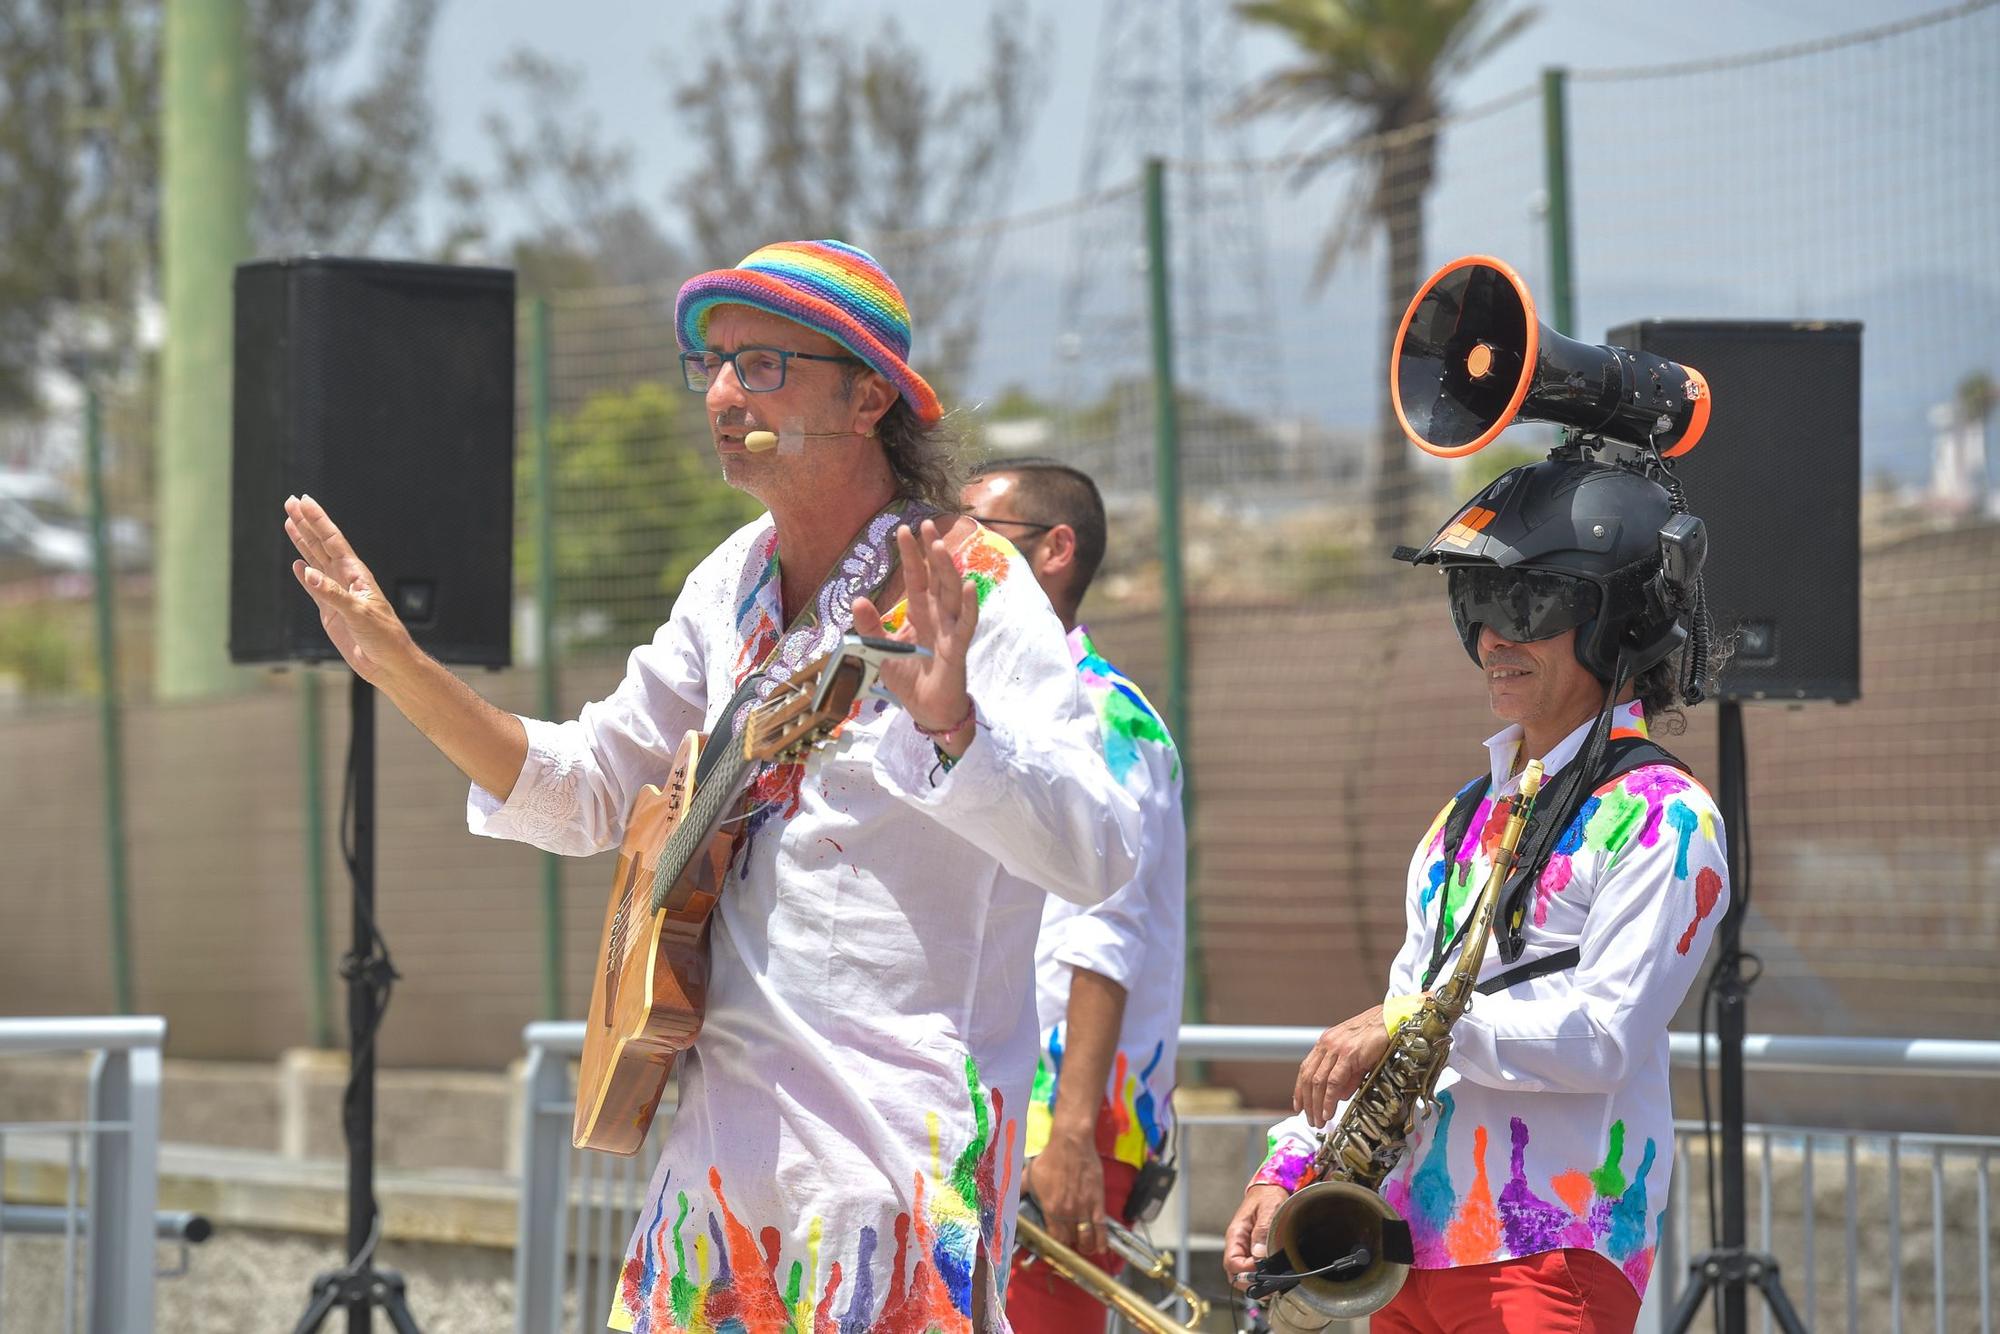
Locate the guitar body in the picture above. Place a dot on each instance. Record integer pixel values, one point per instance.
(650, 986)
(651, 981)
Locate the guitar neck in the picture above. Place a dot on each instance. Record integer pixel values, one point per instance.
(706, 809)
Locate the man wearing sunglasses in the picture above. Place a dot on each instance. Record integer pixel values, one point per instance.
(1108, 976)
(846, 1145)
(1535, 1194)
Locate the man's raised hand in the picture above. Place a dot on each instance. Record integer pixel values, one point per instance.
(943, 612)
(358, 619)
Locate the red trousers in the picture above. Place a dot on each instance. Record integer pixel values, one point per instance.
(1039, 1302)
(1557, 1292)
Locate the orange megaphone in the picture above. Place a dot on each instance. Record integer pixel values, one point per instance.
(1471, 359)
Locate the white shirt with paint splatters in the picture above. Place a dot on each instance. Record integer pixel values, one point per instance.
(1137, 937)
(1555, 1122)
(848, 1140)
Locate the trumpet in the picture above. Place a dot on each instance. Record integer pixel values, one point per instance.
(1135, 1310)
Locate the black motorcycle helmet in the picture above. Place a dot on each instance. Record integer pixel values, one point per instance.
(1572, 542)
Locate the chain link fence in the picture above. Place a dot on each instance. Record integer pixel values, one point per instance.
(1330, 707)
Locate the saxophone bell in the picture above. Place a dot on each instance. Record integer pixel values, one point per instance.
(1337, 1251)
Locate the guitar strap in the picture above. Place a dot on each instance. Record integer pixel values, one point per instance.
(870, 560)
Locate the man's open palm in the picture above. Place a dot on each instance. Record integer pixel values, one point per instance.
(942, 614)
(358, 619)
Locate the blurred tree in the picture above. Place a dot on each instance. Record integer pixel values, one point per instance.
(43, 651)
(79, 147)
(1977, 395)
(832, 134)
(1389, 62)
(338, 172)
(638, 503)
(79, 156)
(1017, 403)
(582, 227)
(1475, 472)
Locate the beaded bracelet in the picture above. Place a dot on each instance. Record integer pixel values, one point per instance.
(940, 733)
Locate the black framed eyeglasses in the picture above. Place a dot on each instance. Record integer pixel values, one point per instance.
(1015, 523)
(758, 369)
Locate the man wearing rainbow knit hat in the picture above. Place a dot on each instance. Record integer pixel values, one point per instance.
(846, 1150)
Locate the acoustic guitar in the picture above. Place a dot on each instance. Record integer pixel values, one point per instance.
(651, 983)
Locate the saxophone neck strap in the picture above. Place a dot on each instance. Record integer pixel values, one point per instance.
(1551, 816)
(1527, 972)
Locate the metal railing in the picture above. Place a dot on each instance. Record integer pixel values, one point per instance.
(112, 1158)
(578, 1208)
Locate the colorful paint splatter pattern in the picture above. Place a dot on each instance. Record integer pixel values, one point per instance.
(720, 1277)
(1643, 806)
(1130, 1124)
(983, 556)
(1125, 716)
(1461, 1208)
(1129, 1127)
(1451, 1223)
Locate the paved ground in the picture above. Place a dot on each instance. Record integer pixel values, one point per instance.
(250, 1282)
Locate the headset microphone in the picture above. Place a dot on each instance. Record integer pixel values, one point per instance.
(759, 442)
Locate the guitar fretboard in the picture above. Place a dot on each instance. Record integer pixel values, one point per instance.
(705, 811)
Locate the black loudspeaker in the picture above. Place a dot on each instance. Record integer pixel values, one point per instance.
(384, 390)
(1778, 484)
(1471, 358)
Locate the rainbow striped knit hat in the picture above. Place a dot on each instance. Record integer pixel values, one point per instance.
(829, 287)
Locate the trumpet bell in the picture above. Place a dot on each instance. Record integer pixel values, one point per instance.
(1317, 1228)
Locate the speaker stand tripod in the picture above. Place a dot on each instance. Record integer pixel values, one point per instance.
(358, 1285)
(1731, 1268)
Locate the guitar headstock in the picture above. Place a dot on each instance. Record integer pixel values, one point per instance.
(806, 709)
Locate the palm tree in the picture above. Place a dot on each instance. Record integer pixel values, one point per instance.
(1390, 61)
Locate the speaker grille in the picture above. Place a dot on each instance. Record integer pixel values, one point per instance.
(1777, 480)
(386, 391)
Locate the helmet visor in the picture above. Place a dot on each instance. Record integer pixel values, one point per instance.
(1520, 605)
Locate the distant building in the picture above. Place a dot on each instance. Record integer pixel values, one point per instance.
(1962, 480)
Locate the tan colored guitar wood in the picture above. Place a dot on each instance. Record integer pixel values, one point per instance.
(650, 985)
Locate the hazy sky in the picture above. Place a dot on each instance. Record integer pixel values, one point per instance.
(625, 46)
(1861, 185)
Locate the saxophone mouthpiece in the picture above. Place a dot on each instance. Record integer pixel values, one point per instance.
(1531, 780)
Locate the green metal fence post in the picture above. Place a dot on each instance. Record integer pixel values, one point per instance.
(1173, 594)
(545, 637)
(319, 968)
(109, 719)
(1555, 149)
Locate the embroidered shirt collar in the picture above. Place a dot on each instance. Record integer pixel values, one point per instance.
(1504, 746)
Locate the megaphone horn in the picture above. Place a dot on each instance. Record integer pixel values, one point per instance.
(1471, 359)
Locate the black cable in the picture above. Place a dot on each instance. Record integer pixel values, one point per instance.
(1694, 661)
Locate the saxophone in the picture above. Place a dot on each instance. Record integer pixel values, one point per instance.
(1336, 1225)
